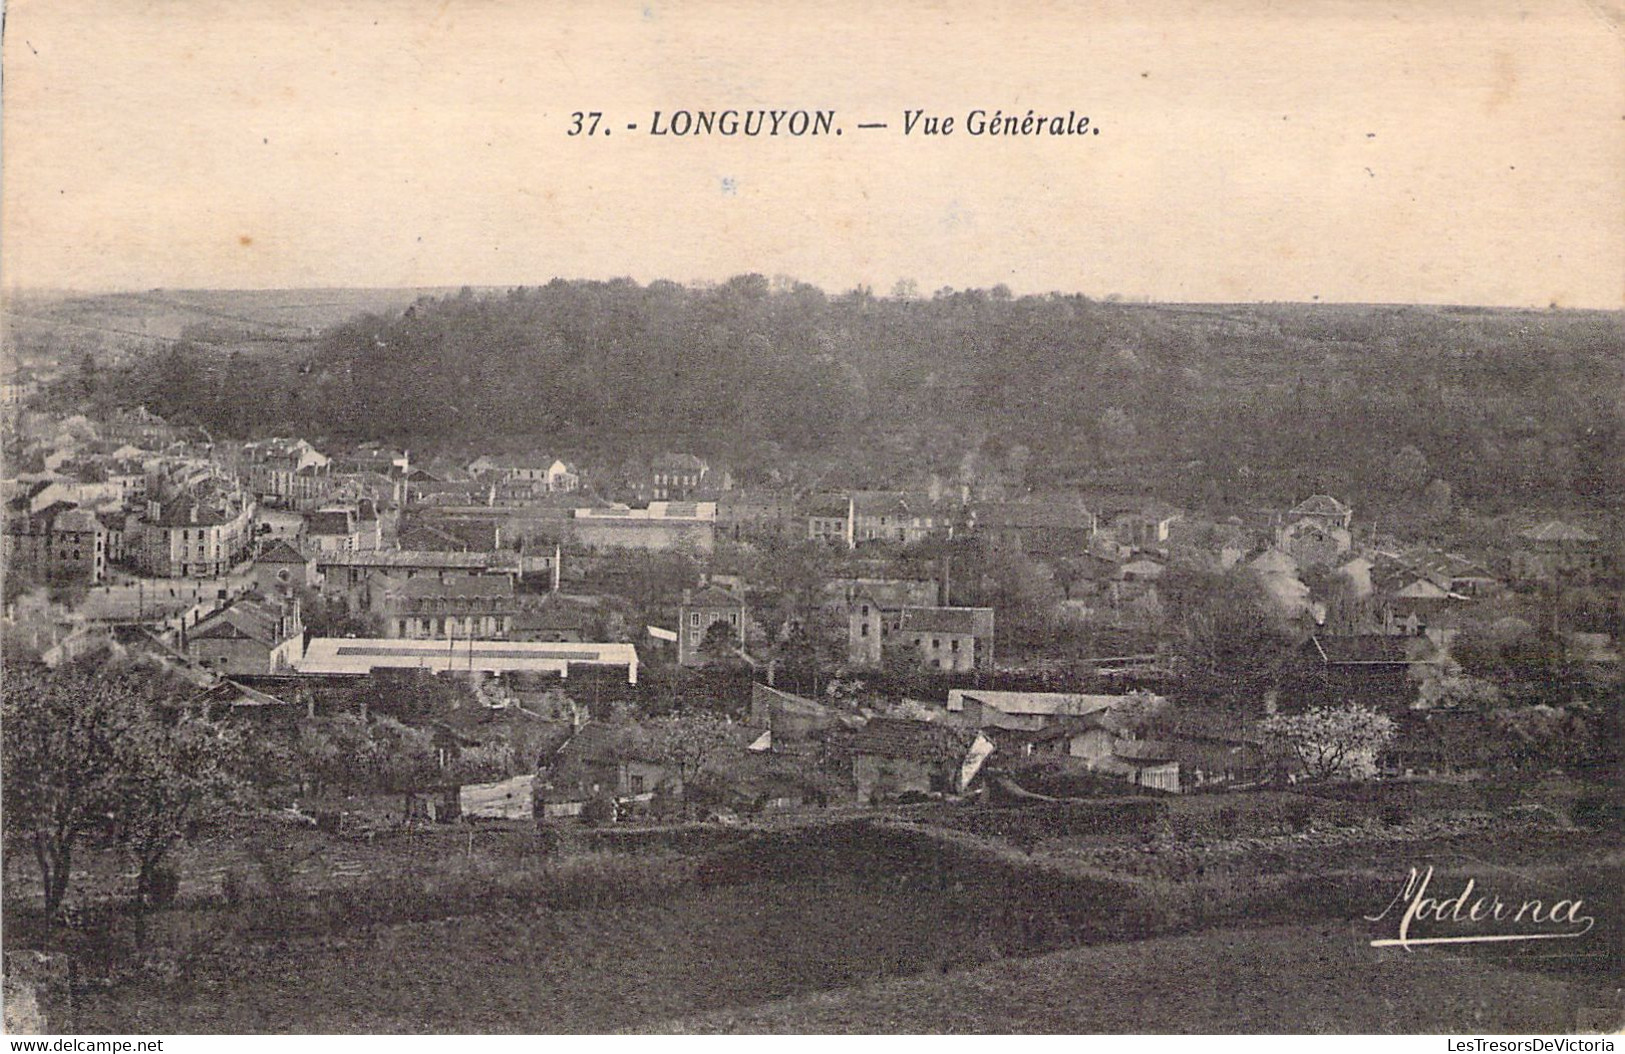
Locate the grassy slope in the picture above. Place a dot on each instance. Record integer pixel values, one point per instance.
(1284, 979)
(536, 971)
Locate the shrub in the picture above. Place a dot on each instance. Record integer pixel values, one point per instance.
(548, 838)
(598, 812)
(1298, 815)
(234, 886)
(1599, 810)
(1496, 794)
(163, 884)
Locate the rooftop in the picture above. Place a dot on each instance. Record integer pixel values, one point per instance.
(414, 558)
(677, 462)
(248, 617)
(1011, 514)
(331, 521)
(360, 655)
(1319, 505)
(467, 586)
(1048, 704)
(1558, 531)
(947, 620)
(282, 553)
(930, 741)
(712, 597)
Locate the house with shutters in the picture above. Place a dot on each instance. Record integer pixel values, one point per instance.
(894, 516)
(699, 612)
(201, 533)
(955, 639)
(452, 607)
(830, 519)
(290, 473)
(675, 477)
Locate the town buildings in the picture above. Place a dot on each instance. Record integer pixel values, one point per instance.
(202, 532)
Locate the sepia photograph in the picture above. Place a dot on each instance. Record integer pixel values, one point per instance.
(696, 517)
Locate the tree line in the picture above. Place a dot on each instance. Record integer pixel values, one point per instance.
(1199, 404)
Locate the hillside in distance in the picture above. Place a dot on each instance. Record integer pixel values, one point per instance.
(49, 328)
(1195, 402)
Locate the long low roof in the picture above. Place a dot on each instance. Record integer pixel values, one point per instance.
(359, 655)
(1074, 704)
(413, 558)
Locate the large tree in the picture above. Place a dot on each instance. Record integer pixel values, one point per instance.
(172, 775)
(88, 748)
(1330, 743)
(689, 743)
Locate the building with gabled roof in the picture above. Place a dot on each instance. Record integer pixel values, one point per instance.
(603, 759)
(894, 516)
(1031, 711)
(333, 530)
(1557, 550)
(200, 532)
(283, 565)
(1040, 529)
(674, 477)
(873, 609)
(956, 639)
(1323, 509)
(792, 724)
(61, 542)
(249, 635)
(896, 756)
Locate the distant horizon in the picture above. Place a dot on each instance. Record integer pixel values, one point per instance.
(1122, 299)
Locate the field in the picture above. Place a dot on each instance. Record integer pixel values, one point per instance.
(883, 922)
(1318, 978)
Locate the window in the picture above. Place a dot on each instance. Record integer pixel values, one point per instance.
(863, 631)
(733, 616)
(694, 620)
(954, 644)
(936, 644)
(866, 611)
(636, 783)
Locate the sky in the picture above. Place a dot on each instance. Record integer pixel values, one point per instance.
(1429, 151)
